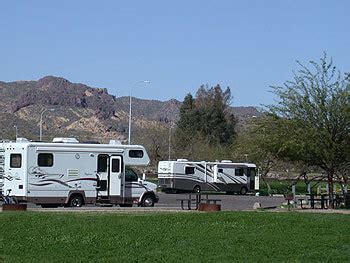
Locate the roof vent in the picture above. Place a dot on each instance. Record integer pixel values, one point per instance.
(21, 140)
(115, 142)
(65, 140)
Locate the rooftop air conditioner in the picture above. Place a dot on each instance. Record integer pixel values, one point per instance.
(65, 140)
(21, 140)
(115, 142)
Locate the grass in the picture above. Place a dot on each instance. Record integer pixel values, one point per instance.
(174, 237)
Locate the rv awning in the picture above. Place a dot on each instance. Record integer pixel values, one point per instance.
(70, 149)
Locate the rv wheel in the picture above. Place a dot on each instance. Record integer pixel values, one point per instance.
(76, 201)
(147, 201)
(243, 191)
(197, 189)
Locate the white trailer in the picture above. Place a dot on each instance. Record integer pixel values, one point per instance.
(66, 172)
(224, 176)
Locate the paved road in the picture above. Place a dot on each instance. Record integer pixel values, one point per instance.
(169, 202)
(228, 203)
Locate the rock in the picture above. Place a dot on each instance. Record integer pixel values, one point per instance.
(256, 206)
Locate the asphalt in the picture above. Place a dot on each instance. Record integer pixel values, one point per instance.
(170, 202)
(228, 202)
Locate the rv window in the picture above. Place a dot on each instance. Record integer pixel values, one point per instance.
(115, 165)
(15, 160)
(239, 172)
(102, 162)
(189, 170)
(221, 170)
(130, 175)
(45, 159)
(136, 153)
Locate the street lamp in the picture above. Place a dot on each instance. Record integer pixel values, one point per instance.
(169, 150)
(141, 81)
(14, 126)
(41, 122)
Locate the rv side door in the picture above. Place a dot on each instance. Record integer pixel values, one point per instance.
(115, 176)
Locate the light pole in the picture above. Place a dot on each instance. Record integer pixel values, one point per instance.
(14, 126)
(171, 127)
(141, 81)
(41, 122)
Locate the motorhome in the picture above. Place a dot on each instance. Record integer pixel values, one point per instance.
(224, 176)
(2, 165)
(66, 172)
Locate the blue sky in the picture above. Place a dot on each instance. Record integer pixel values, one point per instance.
(177, 45)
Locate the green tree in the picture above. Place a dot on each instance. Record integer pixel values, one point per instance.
(311, 118)
(206, 124)
(261, 144)
(216, 121)
(257, 145)
(188, 115)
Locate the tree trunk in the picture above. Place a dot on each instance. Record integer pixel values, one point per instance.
(267, 184)
(330, 175)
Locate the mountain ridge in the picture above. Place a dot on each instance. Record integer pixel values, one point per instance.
(81, 109)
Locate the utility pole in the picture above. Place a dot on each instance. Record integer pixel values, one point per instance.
(14, 126)
(169, 154)
(41, 122)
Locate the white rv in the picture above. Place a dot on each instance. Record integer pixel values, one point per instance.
(2, 165)
(224, 176)
(66, 172)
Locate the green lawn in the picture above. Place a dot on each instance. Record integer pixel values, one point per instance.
(174, 237)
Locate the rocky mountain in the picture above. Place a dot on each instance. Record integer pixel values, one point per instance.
(85, 112)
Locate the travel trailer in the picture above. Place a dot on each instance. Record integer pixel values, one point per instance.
(66, 172)
(224, 176)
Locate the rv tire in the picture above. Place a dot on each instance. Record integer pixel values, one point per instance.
(76, 201)
(243, 191)
(147, 201)
(197, 189)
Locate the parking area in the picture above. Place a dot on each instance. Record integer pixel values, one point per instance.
(169, 202)
(228, 202)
